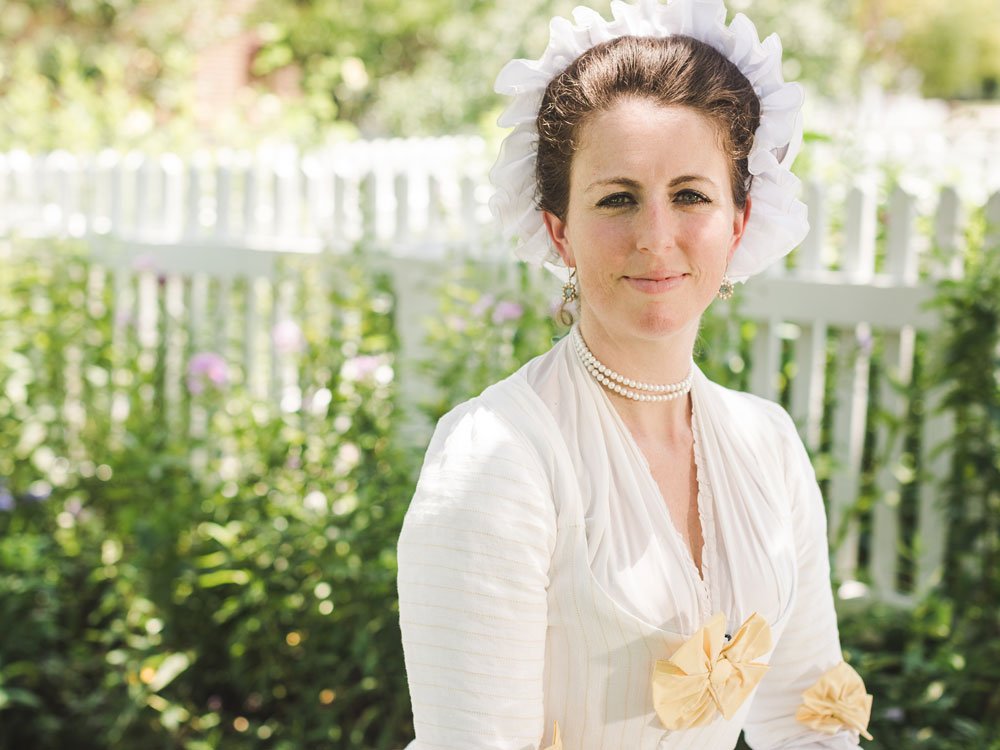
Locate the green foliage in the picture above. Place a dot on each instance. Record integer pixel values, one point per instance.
(224, 585)
(953, 50)
(87, 74)
(490, 322)
(208, 568)
(94, 73)
(935, 670)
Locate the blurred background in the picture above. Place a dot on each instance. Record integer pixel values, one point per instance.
(246, 261)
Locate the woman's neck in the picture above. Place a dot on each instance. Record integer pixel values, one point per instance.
(657, 361)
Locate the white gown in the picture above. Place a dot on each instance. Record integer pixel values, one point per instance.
(541, 577)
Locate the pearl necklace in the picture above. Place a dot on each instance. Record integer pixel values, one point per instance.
(625, 386)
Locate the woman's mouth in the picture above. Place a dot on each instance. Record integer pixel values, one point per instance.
(655, 284)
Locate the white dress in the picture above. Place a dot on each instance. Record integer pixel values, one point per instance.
(541, 577)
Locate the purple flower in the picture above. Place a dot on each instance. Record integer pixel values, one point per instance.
(360, 368)
(123, 318)
(287, 337)
(6, 499)
(145, 262)
(38, 491)
(865, 342)
(505, 311)
(894, 713)
(206, 367)
(483, 304)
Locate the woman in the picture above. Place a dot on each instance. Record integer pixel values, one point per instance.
(606, 550)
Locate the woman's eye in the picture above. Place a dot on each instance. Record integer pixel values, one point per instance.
(690, 196)
(616, 200)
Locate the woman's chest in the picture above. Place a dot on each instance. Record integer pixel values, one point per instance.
(674, 474)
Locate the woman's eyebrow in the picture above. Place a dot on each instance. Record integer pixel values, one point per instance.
(628, 182)
(690, 178)
(623, 181)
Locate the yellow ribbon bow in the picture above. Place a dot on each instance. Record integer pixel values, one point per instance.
(556, 739)
(837, 699)
(706, 674)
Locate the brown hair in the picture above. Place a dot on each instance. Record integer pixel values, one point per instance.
(673, 70)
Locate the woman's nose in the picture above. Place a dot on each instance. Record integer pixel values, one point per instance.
(656, 228)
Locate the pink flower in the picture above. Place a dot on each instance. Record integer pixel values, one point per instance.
(483, 304)
(865, 342)
(123, 318)
(456, 323)
(148, 263)
(360, 368)
(206, 367)
(145, 262)
(287, 337)
(505, 311)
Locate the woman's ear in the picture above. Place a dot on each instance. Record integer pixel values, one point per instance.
(556, 228)
(740, 219)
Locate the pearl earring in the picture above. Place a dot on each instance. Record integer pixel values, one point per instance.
(726, 288)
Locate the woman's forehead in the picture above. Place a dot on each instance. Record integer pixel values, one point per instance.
(640, 137)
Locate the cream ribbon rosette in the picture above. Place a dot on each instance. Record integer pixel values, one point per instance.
(778, 220)
(837, 700)
(707, 676)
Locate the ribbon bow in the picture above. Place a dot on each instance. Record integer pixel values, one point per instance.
(707, 675)
(837, 699)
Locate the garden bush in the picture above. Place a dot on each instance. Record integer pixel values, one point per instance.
(163, 585)
(186, 562)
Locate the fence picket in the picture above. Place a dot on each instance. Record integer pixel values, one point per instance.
(901, 250)
(898, 359)
(192, 220)
(223, 197)
(946, 261)
(810, 382)
(211, 229)
(810, 253)
(402, 193)
(766, 359)
(287, 197)
(848, 444)
(317, 191)
(938, 429)
(859, 234)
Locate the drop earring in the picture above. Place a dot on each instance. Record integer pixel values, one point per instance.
(570, 294)
(569, 291)
(726, 288)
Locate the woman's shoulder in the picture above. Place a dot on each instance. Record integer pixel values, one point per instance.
(507, 415)
(510, 407)
(485, 457)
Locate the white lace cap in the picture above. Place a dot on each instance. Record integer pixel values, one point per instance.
(778, 219)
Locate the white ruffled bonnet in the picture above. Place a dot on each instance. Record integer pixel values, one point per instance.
(778, 219)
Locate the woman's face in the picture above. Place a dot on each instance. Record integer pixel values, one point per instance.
(650, 225)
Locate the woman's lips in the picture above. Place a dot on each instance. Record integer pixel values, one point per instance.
(655, 285)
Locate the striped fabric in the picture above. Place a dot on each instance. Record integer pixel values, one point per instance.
(507, 626)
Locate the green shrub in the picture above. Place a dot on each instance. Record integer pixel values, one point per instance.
(163, 586)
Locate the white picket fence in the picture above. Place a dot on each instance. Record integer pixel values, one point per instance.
(858, 284)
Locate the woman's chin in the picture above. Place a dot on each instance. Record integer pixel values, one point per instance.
(658, 325)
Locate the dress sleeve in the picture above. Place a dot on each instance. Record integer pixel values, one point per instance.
(474, 558)
(810, 643)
